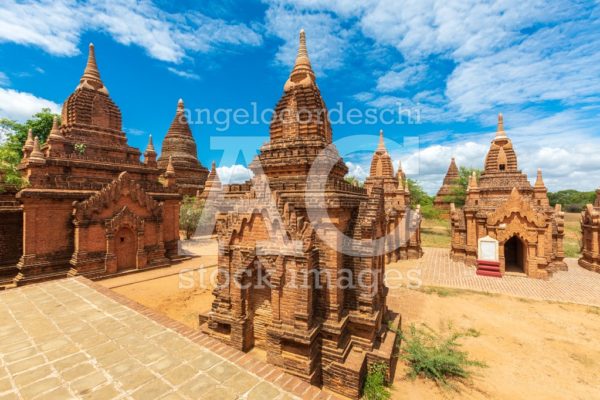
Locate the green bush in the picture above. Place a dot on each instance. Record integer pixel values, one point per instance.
(190, 215)
(438, 356)
(375, 387)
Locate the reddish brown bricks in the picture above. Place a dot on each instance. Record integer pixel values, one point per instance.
(276, 256)
(91, 206)
(506, 207)
(444, 195)
(590, 227)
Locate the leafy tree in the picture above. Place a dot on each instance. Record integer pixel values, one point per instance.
(15, 134)
(190, 215)
(571, 200)
(418, 196)
(353, 181)
(459, 193)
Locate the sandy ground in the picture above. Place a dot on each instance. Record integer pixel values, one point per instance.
(534, 350)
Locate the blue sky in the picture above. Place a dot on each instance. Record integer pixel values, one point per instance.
(451, 65)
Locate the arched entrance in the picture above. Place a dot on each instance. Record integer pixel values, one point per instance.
(514, 255)
(126, 249)
(260, 304)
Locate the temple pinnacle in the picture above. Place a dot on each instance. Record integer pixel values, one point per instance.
(381, 145)
(91, 68)
(500, 130)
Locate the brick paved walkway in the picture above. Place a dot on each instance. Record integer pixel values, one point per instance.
(577, 285)
(74, 339)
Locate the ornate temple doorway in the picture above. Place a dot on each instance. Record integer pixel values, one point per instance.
(126, 249)
(514, 255)
(260, 304)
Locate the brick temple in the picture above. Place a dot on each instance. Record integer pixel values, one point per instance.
(443, 198)
(274, 289)
(506, 207)
(179, 146)
(590, 227)
(401, 220)
(91, 207)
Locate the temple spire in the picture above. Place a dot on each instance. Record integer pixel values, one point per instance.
(180, 106)
(500, 130)
(36, 153)
(91, 75)
(170, 171)
(381, 145)
(302, 73)
(150, 147)
(28, 146)
(55, 132)
(539, 182)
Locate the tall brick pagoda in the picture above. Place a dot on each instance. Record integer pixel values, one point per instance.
(400, 219)
(179, 145)
(443, 197)
(506, 207)
(590, 227)
(91, 207)
(276, 258)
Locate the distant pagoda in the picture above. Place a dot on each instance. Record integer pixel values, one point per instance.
(503, 205)
(444, 195)
(179, 146)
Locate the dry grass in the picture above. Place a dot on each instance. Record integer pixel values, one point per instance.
(572, 243)
(435, 233)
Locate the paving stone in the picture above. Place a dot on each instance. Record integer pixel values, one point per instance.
(10, 396)
(39, 388)
(78, 371)
(152, 390)
(223, 371)
(102, 393)
(68, 362)
(165, 364)
(180, 374)
(241, 382)
(79, 349)
(23, 365)
(135, 379)
(33, 375)
(263, 391)
(60, 393)
(21, 354)
(206, 361)
(88, 383)
(198, 385)
(218, 393)
(5, 385)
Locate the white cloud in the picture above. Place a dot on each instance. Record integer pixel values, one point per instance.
(407, 76)
(553, 64)
(234, 174)
(326, 39)
(358, 171)
(4, 80)
(56, 27)
(20, 106)
(184, 74)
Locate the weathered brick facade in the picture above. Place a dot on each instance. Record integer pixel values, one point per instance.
(91, 206)
(276, 258)
(443, 197)
(403, 225)
(179, 146)
(505, 206)
(590, 227)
